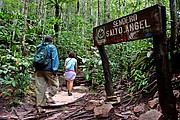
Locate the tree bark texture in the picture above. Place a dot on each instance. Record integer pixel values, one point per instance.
(40, 4)
(108, 77)
(78, 7)
(1, 4)
(166, 97)
(24, 53)
(83, 26)
(97, 14)
(174, 29)
(56, 25)
(106, 11)
(44, 19)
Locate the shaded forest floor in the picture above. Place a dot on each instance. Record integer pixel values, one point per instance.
(126, 105)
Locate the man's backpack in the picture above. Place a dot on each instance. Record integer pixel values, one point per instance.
(41, 58)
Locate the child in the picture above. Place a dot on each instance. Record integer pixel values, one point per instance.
(71, 68)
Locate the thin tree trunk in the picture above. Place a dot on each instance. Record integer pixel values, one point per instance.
(44, 22)
(14, 31)
(123, 7)
(77, 7)
(91, 12)
(25, 25)
(56, 26)
(19, 4)
(40, 4)
(78, 14)
(97, 14)
(83, 16)
(106, 11)
(108, 78)
(166, 97)
(22, 8)
(174, 29)
(82, 35)
(1, 4)
(119, 7)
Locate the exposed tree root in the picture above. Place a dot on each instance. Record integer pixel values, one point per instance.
(71, 114)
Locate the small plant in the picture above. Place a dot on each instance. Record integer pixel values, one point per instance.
(15, 77)
(139, 80)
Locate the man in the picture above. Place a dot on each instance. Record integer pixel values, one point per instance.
(46, 77)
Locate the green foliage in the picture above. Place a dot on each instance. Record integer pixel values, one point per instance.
(142, 69)
(15, 73)
(131, 61)
(139, 80)
(91, 64)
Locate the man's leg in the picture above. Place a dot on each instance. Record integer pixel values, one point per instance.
(41, 86)
(53, 83)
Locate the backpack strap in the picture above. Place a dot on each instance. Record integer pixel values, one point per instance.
(68, 60)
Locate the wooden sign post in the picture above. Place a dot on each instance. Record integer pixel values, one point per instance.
(166, 98)
(150, 22)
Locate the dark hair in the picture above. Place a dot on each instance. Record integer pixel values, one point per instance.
(72, 54)
(48, 38)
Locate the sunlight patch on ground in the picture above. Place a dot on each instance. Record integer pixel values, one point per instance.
(62, 98)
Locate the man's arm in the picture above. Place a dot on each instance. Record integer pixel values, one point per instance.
(55, 60)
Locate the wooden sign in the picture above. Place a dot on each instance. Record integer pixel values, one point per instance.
(143, 24)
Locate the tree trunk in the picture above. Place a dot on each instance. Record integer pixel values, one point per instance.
(91, 13)
(166, 97)
(1, 4)
(119, 7)
(25, 25)
(22, 8)
(174, 29)
(83, 16)
(108, 78)
(14, 32)
(97, 14)
(78, 7)
(45, 13)
(77, 15)
(56, 26)
(40, 4)
(106, 11)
